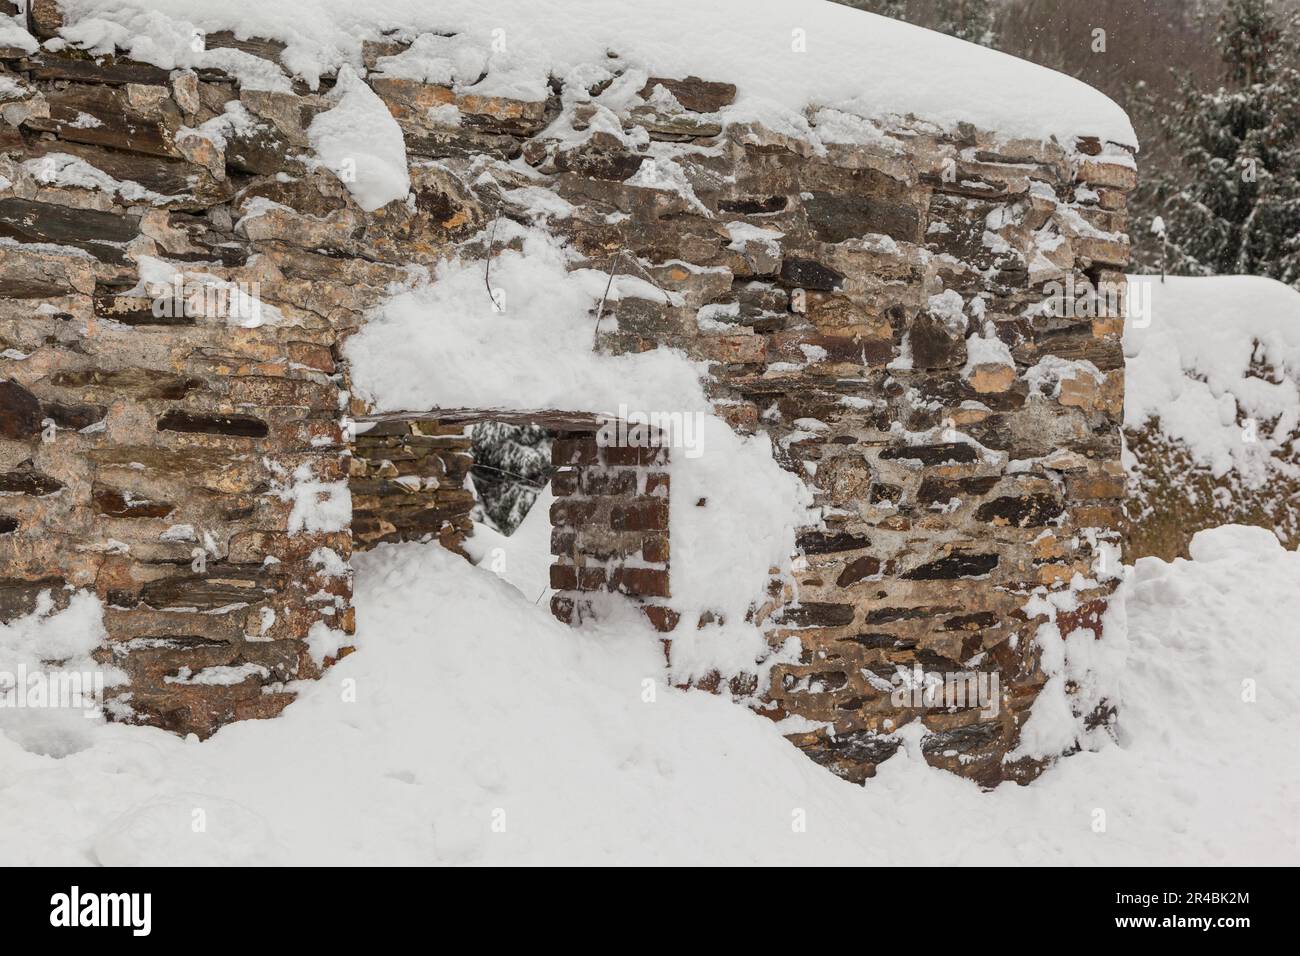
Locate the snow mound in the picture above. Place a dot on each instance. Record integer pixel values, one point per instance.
(1235, 542)
(529, 345)
(362, 144)
(1195, 348)
(784, 55)
(472, 727)
(191, 829)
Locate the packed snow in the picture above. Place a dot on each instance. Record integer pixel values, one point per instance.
(13, 33)
(1189, 345)
(784, 55)
(529, 345)
(361, 143)
(470, 727)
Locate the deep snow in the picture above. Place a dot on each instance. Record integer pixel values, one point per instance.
(474, 708)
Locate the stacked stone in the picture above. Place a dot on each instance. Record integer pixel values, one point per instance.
(409, 483)
(951, 484)
(609, 527)
(174, 447)
(1172, 496)
(833, 282)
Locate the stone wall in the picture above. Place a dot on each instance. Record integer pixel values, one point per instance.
(408, 482)
(835, 289)
(873, 295)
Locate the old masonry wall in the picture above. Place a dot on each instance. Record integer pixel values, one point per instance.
(876, 296)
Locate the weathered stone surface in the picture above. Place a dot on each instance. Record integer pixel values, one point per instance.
(136, 118)
(102, 234)
(20, 412)
(944, 492)
(693, 93)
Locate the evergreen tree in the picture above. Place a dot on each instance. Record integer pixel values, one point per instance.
(970, 20)
(512, 464)
(1234, 206)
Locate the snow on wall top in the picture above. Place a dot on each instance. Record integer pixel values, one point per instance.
(1189, 344)
(783, 55)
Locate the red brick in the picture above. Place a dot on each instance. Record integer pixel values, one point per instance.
(564, 482)
(574, 451)
(562, 608)
(562, 541)
(591, 579)
(643, 515)
(655, 548)
(662, 619)
(633, 455)
(645, 582)
(596, 481)
(571, 513)
(564, 577)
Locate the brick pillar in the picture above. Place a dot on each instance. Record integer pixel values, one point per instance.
(609, 527)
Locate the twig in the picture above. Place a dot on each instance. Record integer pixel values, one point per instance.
(487, 265)
(651, 279)
(523, 480)
(600, 312)
(613, 271)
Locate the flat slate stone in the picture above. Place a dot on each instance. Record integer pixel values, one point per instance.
(102, 234)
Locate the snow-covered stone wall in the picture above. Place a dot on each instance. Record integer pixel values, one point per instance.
(918, 316)
(1212, 411)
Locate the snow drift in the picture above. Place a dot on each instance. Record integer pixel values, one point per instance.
(471, 727)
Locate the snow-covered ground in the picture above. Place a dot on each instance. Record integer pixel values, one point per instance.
(471, 727)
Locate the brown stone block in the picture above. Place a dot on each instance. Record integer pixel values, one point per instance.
(1098, 172)
(732, 349)
(1095, 486)
(1097, 516)
(253, 547)
(268, 391)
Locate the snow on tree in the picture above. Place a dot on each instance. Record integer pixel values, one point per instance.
(1233, 206)
(970, 20)
(512, 464)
